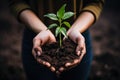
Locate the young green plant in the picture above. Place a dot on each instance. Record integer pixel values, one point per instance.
(61, 16)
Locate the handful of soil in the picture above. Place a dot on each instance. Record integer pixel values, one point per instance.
(57, 56)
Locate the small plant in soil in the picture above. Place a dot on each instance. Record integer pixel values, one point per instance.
(60, 17)
(63, 51)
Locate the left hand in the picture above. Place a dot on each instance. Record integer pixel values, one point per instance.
(39, 40)
(78, 38)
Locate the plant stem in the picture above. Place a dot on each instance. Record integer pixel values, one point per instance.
(60, 40)
(60, 22)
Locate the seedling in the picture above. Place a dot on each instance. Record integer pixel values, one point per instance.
(61, 16)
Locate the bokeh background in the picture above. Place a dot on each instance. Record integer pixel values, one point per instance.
(105, 40)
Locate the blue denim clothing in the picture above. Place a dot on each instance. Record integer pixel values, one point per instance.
(36, 71)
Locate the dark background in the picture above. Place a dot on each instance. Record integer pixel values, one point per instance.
(105, 40)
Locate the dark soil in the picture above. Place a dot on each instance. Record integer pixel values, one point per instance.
(57, 55)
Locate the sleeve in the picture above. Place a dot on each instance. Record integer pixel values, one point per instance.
(93, 6)
(17, 6)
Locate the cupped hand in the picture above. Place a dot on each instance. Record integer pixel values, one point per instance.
(40, 39)
(78, 38)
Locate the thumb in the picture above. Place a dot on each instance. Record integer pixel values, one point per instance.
(52, 39)
(37, 45)
(80, 46)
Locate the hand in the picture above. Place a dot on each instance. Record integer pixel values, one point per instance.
(77, 37)
(42, 38)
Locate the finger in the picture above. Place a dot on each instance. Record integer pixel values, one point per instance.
(78, 53)
(61, 69)
(65, 38)
(51, 39)
(36, 42)
(76, 61)
(73, 63)
(67, 64)
(80, 58)
(41, 38)
(39, 53)
(82, 55)
(52, 69)
(37, 46)
(84, 50)
(80, 47)
(57, 72)
(36, 52)
(47, 64)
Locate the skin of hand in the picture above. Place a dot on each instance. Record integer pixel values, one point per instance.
(42, 38)
(77, 37)
(84, 21)
(27, 17)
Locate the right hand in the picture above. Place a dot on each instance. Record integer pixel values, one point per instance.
(40, 39)
(78, 38)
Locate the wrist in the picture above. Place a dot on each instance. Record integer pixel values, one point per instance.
(43, 30)
(72, 30)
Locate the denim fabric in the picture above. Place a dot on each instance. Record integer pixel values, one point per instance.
(36, 71)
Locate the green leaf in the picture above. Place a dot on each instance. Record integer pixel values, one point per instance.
(61, 11)
(67, 15)
(51, 16)
(52, 25)
(57, 31)
(67, 24)
(63, 31)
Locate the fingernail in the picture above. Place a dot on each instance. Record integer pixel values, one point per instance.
(43, 62)
(67, 64)
(76, 61)
(48, 64)
(52, 69)
(78, 53)
(61, 69)
(38, 52)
